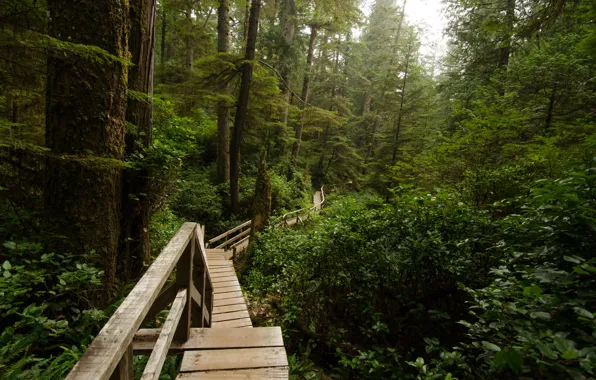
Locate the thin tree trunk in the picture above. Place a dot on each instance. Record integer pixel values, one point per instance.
(305, 90)
(242, 106)
(135, 252)
(164, 22)
(188, 40)
(287, 20)
(401, 108)
(551, 108)
(505, 49)
(223, 113)
(85, 133)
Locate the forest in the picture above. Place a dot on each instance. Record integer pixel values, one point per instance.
(458, 237)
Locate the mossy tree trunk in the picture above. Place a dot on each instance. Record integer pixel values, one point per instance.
(242, 106)
(223, 113)
(134, 238)
(261, 205)
(85, 113)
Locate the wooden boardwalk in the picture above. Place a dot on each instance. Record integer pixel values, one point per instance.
(208, 322)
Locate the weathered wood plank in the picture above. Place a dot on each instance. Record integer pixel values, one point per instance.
(229, 301)
(226, 289)
(225, 284)
(125, 368)
(228, 308)
(240, 374)
(241, 314)
(165, 298)
(216, 276)
(221, 296)
(166, 335)
(244, 322)
(104, 353)
(222, 270)
(208, 338)
(239, 358)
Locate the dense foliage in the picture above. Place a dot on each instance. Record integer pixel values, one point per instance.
(376, 290)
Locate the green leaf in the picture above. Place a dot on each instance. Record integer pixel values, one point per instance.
(6, 274)
(570, 354)
(509, 358)
(540, 315)
(546, 350)
(583, 312)
(10, 245)
(7, 265)
(62, 281)
(562, 344)
(490, 346)
(573, 259)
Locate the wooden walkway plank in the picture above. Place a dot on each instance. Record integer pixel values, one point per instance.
(227, 289)
(210, 338)
(239, 358)
(242, 374)
(229, 308)
(245, 322)
(228, 301)
(231, 316)
(221, 296)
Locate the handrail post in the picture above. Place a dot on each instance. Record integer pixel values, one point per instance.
(124, 370)
(184, 280)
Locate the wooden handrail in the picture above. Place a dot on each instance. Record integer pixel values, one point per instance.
(318, 206)
(109, 356)
(219, 237)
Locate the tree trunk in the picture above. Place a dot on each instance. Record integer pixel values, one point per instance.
(135, 252)
(85, 112)
(305, 89)
(397, 129)
(505, 49)
(164, 23)
(188, 40)
(287, 20)
(242, 106)
(261, 206)
(551, 108)
(223, 114)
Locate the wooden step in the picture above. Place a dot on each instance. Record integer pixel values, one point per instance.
(241, 374)
(235, 323)
(229, 359)
(209, 338)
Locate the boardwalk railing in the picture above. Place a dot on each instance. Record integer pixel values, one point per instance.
(110, 354)
(231, 237)
(299, 216)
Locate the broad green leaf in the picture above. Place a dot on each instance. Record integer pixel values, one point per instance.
(573, 259)
(6, 274)
(10, 245)
(6, 265)
(540, 315)
(583, 312)
(490, 346)
(570, 354)
(509, 358)
(546, 350)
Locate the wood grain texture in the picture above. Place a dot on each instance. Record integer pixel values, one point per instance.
(224, 284)
(228, 309)
(227, 289)
(244, 322)
(166, 335)
(241, 314)
(239, 358)
(241, 374)
(104, 353)
(208, 338)
(221, 296)
(228, 301)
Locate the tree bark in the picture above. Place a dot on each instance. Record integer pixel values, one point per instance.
(164, 29)
(135, 252)
(261, 206)
(287, 19)
(305, 90)
(505, 49)
(85, 113)
(188, 40)
(242, 106)
(223, 114)
(397, 129)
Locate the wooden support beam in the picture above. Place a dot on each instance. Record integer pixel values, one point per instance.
(125, 368)
(184, 281)
(230, 241)
(165, 298)
(243, 225)
(160, 350)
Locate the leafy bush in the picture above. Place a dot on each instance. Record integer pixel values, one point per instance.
(45, 315)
